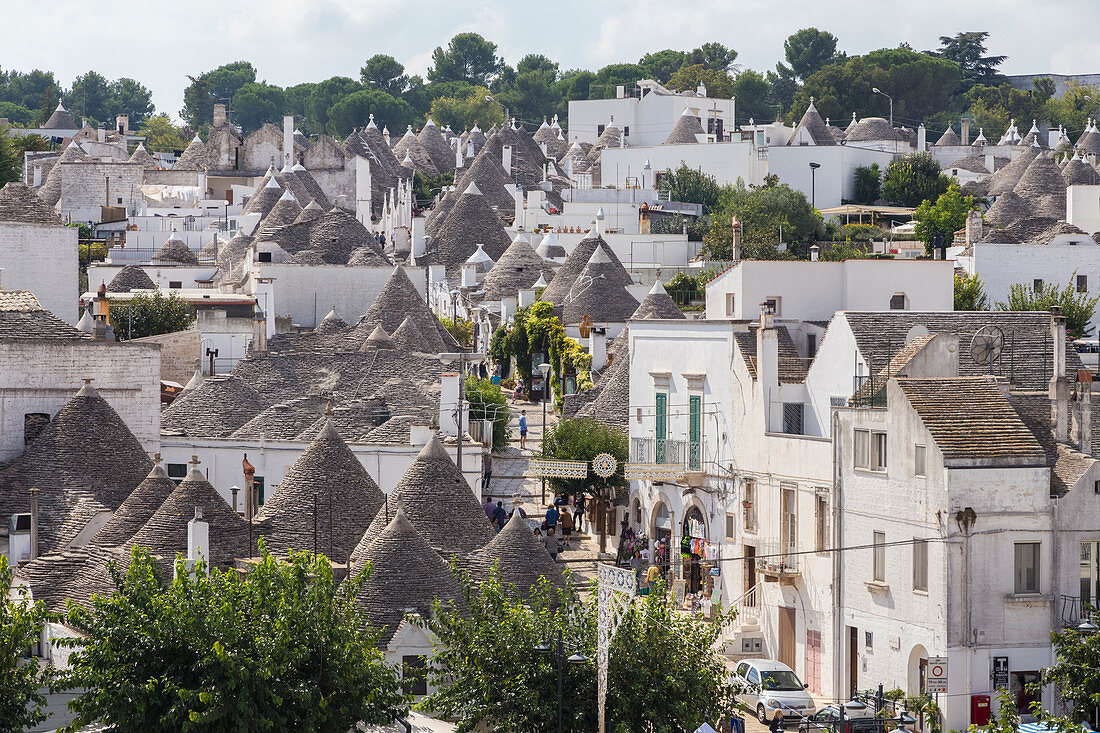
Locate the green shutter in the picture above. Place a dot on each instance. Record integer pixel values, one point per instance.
(662, 427)
(695, 429)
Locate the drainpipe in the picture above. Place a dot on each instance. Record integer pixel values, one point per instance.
(838, 566)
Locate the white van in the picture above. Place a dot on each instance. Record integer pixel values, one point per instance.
(767, 686)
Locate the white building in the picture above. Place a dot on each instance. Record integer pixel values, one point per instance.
(646, 113)
(38, 252)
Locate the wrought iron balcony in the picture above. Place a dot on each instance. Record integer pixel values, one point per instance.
(657, 450)
(775, 562)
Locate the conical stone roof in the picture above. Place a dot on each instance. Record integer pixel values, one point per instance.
(195, 157)
(409, 145)
(1043, 177)
(438, 502)
(165, 534)
(406, 576)
(337, 233)
(22, 204)
(215, 410)
(50, 192)
(433, 142)
(658, 304)
(137, 509)
(265, 197)
(131, 277)
(815, 128)
(686, 128)
(378, 339)
(1079, 173)
(175, 250)
(283, 213)
(1008, 208)
(311, 212)
(471, 222)
(326, 483)
(487, 172)
(211, 249)
(522, 559)
(332, 324)
(558, 289)
(398, 300)
(518, 269)
(949, 137)
(407, 337)
(597, 292)
(367, 257)
(60, 120)
(1006, 178)
(141, 155)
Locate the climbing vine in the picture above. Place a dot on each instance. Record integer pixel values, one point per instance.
(533, 326)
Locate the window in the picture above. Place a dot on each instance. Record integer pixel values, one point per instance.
(774, 305)
(263, 257)
(33, 425)
(414, 678)
(788, 516)
(879, 560)
(821, 520)
(695, 432)
(176, 471)
(920, 565)
(599, 130)
(1026, 568)
(861, 449)
(626, 130)
(749, 504)
(897, 302)
(175, 284)
(811, 345)
(878, 451)
(731, 526)
(1082, 283)
(661, 427)
(792, 418)
(869, 640)
(919, 452)
(731, 304)
(1037, 284)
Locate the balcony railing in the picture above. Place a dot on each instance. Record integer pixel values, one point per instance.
(654, 450)
(1075, 610)
(775, 559)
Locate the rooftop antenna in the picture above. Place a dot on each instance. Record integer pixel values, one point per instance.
(986, 346)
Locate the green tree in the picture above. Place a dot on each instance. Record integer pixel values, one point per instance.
(614, 75)
(750, 89)
(469, 58)
(992, 107)
(713, 55)
(133, 98)
(781, 90)
(282, 649)
(217, 84)
(327, 94)
(461, 112)
(946, 216)
(1076, 676)
(21, 680)
(769, 215)
(296, 101)
(257, 103)
(150, 315)
(17, 114)
(661, 65)
(692, 186)
(11, 163)
(1076, 106)
(913, 179)
(582, 439)
(161, 135)
(90, 96)
(718, 83)
(384, 73)
(34, 90)
(663, 673)
(576, 84)
(970, 293)
(968, 51)
(868, 184)
(1077, 308)
(355, 110)
(487, 402)
(807, 51)
(533, 92)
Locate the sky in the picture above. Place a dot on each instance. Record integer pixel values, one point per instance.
(295, 41)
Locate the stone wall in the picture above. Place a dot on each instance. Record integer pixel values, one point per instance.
(40, 376)
(178, 353)
(84, 188)
(263, 149)
(43, 259)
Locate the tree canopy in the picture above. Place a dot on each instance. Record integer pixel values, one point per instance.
(218, 84)
(582, 439)
(150, 315)
(21, 680)
(1077, 307)
(946, 216)
(969, 52)
(808, 50)
(911, 180)
(282, 649)
(385, 74)
(769, 215)
(469, 58)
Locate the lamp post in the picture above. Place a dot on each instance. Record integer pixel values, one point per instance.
(813, 183)
(462, 358)
(559, 657)
(876, 90)
(489, 98)
(545, 369)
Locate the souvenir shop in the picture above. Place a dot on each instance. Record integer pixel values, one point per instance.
(698, 556)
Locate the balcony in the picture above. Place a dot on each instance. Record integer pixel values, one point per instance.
(775, 564)
(1076, 610)
(659, 451)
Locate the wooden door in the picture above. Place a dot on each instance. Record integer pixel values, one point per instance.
(813, 660)
(853, 661)
(750, 571)
(786, 636)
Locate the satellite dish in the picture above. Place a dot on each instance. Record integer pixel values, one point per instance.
(915, 333)
(986, 346)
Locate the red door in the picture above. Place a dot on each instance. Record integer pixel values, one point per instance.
(813, 660)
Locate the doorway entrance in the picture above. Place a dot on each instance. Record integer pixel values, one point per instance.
(853, 661)
(786, 636)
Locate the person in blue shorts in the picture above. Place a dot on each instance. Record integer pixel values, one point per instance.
(523, 429)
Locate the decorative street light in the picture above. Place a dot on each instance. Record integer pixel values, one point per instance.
(545, 369)
(876, 90)
(813, 183)
(559, 657)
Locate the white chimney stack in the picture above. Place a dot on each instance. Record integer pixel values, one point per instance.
(288, 140)
(198, 539)
(506, 159)
(1059, 384)
(448, 403)
(597, 347)
(922, 138)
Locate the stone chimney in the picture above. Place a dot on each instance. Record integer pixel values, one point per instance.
(922, 138)
(736, 223)
(249, 487)
(36, 177)
(259, 331)
(597, 347)
(198, 539)
(964, 124)
(219, 115)
(973, 227)
(506, 159)
(767, 366)
(122, 124)
(1082, 412)
(288, 140)
(1059, 385)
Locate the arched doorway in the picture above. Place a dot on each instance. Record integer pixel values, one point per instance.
(693, 536)
(918, 661)
(661, 536)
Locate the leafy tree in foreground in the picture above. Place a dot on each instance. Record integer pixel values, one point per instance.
(1077, 308)
(21, 680)
(1076, 676)
(487, 402)
(769, 214)
(161, 136)
(663, 674)
(946, 216)
(282, 649)
(970, 293)
(150, 315)
(913, 179)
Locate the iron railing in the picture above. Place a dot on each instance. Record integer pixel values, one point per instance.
(774, 558)
(657, 450)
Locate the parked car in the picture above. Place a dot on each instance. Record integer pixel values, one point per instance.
(767, 686)
(858, 718)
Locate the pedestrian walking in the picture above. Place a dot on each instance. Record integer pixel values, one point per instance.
(552, 516)
(489, 508)
(517, 390)
(776, 726)
(579, 504)
(500, 515)
(566, 519)
(522, 429)
(552, 543)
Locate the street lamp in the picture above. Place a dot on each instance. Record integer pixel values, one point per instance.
(559, 657)
(489, 98)
(545, 369)
(1087, 627)
(462, 358)
(813, 183)
(876, 90)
